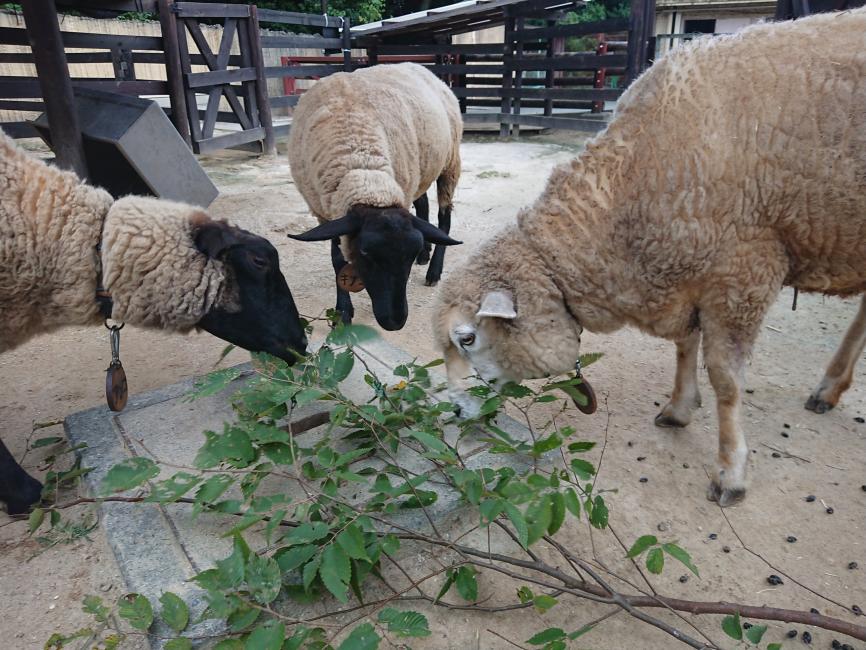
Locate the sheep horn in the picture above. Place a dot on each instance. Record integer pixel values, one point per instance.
(433, 234)
(348, 225)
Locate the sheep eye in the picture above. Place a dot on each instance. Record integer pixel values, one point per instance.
(259, 262)
(467, 340)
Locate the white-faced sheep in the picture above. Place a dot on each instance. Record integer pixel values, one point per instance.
(165, 265)
(363, 147)
(734, 166)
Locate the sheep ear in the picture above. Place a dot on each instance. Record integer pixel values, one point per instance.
(213, 237)
(433, 234)
(497, 304)
(348, 225)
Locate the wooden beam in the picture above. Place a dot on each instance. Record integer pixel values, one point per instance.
(43, 32)
(174, 73)
(270, 142)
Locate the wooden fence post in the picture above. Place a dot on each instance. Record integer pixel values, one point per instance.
(270, 143)
(43, 32)
(600, 74)
(507, 64)
(636, 53)
(173, 72)
(549, 75)
(518, 76)
(347, 44)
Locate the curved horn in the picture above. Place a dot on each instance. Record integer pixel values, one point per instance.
(433, 234)
(347, 225)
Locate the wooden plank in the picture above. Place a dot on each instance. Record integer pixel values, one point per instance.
(295, 18)
(21, 105)
(587, 94)
(211, 10)
(534, 103)
(174, 73)
(313, 42)
(15, 36)
(248, 89)
(301, 71)
(230, 140)
(119, 6)
(284, 101)
(219, 77)
(46, 43)
(570, 62)
(269, 143)
(507, 74)
(191, 112)
(610, 25)
(636, 32)
(485, 48)
(555, 122)
(455, 68)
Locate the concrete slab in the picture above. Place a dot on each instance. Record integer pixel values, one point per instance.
(159, 548)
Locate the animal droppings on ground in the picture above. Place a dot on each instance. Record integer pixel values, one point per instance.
(810, 498)
(791, 539)
(807, 638)
(774, 580)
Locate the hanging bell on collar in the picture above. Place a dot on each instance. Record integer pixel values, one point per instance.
(116, 390)
(586, 390)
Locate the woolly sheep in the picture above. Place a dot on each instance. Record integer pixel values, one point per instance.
(165, 265)
(363, 146)
(734, 166)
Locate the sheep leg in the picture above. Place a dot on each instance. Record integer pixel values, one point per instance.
(725, 359)
(422, 211)
(344, 300)
(840, 372)
(434, 271)
(685, 397)
(18, 490)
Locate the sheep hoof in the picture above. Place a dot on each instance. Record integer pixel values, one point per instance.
(430, 282)
(423, 258)
(725, 496)
(667, 422)
(818, 405)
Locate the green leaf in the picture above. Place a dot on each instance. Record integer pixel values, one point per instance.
(136, 609)
(428, 440)
(680, 554)
(756, 633)
(490, 405)
(581, 631)
(311, 569)
(267, 636)
(229, 644)
(553, 441)
(93, 605)
(543, 602)
(599, 515)
(290, 558)
(490, 509)
(44, 442)
(129, 473)
(214, 382)
(307, 533)
(582, 468)
(172, 489)
(241, 618)
(350, 334)
(731, 626)
(421, 499)
(363, 637)
(174, 611)
(572, 502)
(557, 513)
(405, 623)
(180, 643)
(343, 364)
(467, 585)
(232, 445)
(263, 578)
(212, 489)
(35, 520)
(655, 561)
(279, 452)
(539, 516)
(546, 636)
(774, 646)
(512, 389)
(351, 540)
(579, 447)
(642, 544)
(525, 594)
(231, 569)
(518, 521)
(336, 571)
(590, 358)
(451, 576)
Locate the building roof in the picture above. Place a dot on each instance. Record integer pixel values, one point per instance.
(466, 16)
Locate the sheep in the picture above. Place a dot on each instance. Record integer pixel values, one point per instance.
(363, 146)
(164, 265)
(719, 180)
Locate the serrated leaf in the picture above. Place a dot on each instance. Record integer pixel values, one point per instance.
(490, 509)
(428, 440)
(307, 533)
(524, 594)
(546, 636)
(572, 503)
(241, 618)
(582, 468)
(680, 554)
(581, 446)
(518, 521)
(543, 602)
(214, 382)
(267, 636)
(212, 489)
(655, 561)
(263, 578)
(180, 643)
(599, 515)
(343, 364)
(229, 644)
(174, 611)
(172, 489)
(233, 445)
(35, 520)
(641, 544)
(231, 569)
(351, 540)
(344, 334)
(557, 516)
(467, 585)
(136, 609)
(311, 569)
(581, 631)
(756, 633)
(405, 623)
(731, 626)
(774, 646)
(336, 571)
(590, 358)
(363, 637)
(539, 516)
(290, 558)
(129, 473)
(553, 441)
(451, 576)
(94, 606)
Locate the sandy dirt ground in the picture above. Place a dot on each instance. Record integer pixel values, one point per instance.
(59, 374)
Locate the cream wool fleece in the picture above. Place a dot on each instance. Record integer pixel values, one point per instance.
(50, 224)
(378, 136)
(711, 188)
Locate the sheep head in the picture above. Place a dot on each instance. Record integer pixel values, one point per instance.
(256, 310)
(382, 243)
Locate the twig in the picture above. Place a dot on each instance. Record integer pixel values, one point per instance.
(509, 641)
(785, 453)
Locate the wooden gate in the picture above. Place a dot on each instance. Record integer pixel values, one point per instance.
(239, 78)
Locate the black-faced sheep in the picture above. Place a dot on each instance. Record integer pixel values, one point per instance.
(165, 265)
(711, 189)
(363, 147)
